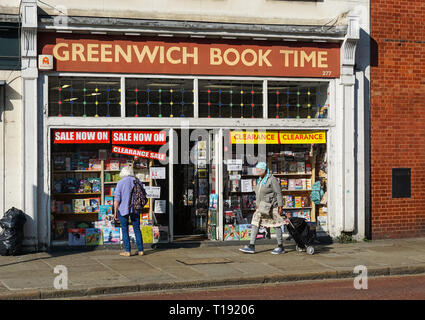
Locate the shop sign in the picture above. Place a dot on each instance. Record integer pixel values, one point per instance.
(124, 54)
(277, 137)
(139, 153)
(45, 62)
(140, 137)
(81, 136)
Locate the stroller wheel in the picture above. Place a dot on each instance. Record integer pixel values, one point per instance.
(299, 249)
(310, 250)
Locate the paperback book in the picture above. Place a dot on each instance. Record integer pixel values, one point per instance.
(77, 237)
(94, 237)
(111, 235)
(244, 231)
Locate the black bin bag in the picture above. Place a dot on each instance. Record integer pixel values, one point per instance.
(12, 234)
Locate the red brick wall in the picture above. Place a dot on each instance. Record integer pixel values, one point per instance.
(397, 115)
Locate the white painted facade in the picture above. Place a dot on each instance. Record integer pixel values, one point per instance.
(345, 125)
(10, 141)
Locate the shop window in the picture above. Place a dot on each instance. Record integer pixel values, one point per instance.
(84, 97)
(297, 100)
(84, 176)
(159, 98)
(230, 99)
(299, 168)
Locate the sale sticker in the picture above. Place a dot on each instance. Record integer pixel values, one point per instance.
(81, 136)
(139, 153)
(140, 137)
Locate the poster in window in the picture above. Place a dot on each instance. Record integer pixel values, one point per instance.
(203, 186)
(246, 185)
(202, 174)
(190, 197)
(202, 150)
(202, 164)
(234, 165)
(153, 192)
(157, 172)
(160, 206)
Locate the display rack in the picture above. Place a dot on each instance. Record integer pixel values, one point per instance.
(298, 192)
(67, 197)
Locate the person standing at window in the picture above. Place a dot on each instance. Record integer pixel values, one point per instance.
(123, 211)
(269, 207)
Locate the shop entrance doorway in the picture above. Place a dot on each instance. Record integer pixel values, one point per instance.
(194, 181)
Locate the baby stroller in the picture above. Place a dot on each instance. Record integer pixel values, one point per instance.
(302, 234)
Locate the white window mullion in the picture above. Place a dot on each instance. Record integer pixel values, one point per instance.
(122, 97)
(195, 98)
(265, 100)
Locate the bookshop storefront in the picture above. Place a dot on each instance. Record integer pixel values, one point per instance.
(192, 118)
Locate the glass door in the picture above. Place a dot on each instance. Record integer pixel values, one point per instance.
(213, 206)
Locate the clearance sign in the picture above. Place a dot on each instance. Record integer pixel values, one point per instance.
(124, 54)
(278, 137)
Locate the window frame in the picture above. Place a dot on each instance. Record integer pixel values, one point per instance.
(331, 99)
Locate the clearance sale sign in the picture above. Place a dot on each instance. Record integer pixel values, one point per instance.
(126, 54)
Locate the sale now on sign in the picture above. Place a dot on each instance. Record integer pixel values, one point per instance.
(81, 136)
(139, 137)
(139, 153)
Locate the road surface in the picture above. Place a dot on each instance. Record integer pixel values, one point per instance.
(379, 288)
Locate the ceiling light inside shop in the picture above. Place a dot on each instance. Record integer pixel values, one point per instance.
(71, 99)
(163, 84)
(65, 86)
(220, 86)
(103, 82)
(281, 88)
(93, 94)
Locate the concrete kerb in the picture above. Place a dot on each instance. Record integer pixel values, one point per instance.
(199, 284)
(21, 295)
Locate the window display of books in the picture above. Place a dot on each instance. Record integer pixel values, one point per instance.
(74, 185)
(83, 160)
(295, 184)
(88, 205)
(248, 201)
(82, 196)
(305, 214)
(288, 162)
(297, 201)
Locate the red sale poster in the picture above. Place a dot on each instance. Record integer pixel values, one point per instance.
(139, 153)
(140, 137)
(81, 136)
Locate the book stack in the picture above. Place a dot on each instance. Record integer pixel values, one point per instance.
(296, 184)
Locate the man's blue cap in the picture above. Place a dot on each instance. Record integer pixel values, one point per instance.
(261, 165)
